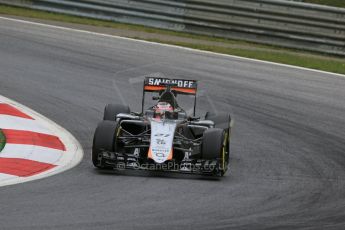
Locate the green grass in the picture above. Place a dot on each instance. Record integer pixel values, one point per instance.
(219, 45)
(18, 11)
(336, 3)
(2, 140)
(325, 64)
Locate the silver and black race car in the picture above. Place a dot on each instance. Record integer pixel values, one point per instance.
(163, 137)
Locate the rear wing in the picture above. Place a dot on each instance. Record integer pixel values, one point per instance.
(178, 86)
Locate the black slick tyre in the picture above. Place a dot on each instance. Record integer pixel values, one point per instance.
(103, 140)
(221, 120)
(215, 146)
(111, 110)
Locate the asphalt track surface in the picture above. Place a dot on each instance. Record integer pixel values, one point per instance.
(288, 147)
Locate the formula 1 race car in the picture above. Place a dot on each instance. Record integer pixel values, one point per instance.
(163, 137)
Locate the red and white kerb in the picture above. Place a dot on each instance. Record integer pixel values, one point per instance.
(30, 147)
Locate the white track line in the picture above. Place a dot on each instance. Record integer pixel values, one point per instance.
(32, 152)
(70, 158)
(7, 177)
(167, 45)
(18, 123)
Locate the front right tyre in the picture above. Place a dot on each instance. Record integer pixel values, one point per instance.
(103, 140)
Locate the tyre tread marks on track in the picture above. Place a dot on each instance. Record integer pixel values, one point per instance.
(19, 156)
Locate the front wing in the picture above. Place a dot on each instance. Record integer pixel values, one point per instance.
(120, 161)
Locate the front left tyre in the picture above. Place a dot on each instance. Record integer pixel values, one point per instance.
(215, 146)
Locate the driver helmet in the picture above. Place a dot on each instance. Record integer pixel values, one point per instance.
(161, 108)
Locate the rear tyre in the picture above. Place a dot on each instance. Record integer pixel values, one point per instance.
(221, 120)
(215, 146)
(111, 111)
(103, 140)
